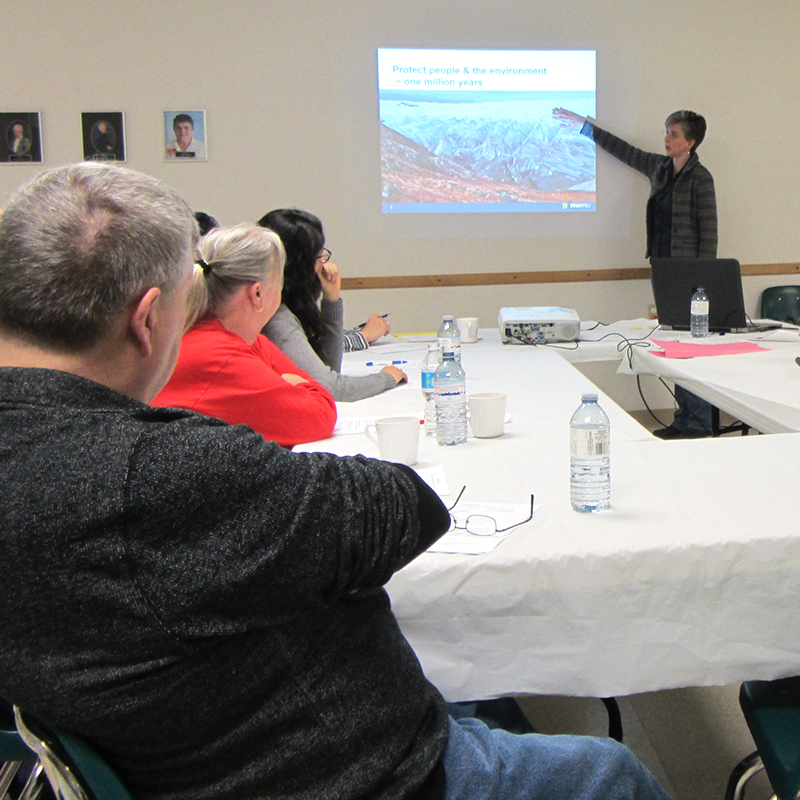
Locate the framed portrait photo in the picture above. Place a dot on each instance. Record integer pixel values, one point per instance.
(20, 137)
(185, 136)
(103, 135)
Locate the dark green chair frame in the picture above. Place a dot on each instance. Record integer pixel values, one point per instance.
(73, 767)
(772, 712)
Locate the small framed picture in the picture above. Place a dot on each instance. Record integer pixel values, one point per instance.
(103, 135)
(185, 136)
(20, 137)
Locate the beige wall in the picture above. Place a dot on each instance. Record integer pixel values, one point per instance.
(289, 89)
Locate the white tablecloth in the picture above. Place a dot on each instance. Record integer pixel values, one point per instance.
(761, 389)
(690, 579)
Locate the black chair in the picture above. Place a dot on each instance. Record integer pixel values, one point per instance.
(772, 712)
(781, 303)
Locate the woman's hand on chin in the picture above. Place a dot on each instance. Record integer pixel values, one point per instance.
(330, 280)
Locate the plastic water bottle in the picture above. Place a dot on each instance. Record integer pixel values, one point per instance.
(449, 337)
(589, 459)
(450, 388)
(429, 366)
(699, 313)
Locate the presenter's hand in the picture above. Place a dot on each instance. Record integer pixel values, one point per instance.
(290, 377)
(330, 280)
(375, 328)
(568, 119)
(398, 374)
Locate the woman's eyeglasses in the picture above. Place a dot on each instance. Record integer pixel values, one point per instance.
(481, 524)
(324, 255)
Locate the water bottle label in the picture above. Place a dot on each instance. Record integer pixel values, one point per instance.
(589, 442)
(447, 345)
(452, 393)
(427, 379)
(700, 307)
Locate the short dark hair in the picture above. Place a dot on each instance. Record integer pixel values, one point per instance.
(182, 118)
(79, 243)
(694, 126)
(205, 222)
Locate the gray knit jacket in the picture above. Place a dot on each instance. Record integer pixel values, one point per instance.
(694, 202)
(206, 607)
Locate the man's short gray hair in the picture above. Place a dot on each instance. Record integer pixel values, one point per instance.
(79, 243)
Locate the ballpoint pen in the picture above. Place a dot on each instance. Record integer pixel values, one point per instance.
(359, 327)
(384, 363)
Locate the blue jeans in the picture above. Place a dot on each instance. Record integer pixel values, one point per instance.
(693, 413)
(484, 764)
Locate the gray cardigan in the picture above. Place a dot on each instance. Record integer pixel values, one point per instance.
(694, 202)
(285, 330)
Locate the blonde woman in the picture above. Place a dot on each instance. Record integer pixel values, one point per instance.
(226, 367)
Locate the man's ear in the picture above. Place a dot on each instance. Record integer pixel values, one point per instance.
(143, 319)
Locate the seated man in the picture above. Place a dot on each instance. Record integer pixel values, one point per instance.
(206, 607)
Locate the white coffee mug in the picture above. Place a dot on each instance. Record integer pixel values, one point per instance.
(468, 328)
(487, 414)
(397, 438)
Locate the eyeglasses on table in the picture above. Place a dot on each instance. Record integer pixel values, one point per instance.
(481, 524)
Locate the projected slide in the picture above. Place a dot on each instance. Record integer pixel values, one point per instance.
(472, 130)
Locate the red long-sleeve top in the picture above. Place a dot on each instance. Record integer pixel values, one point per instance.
(218, 374)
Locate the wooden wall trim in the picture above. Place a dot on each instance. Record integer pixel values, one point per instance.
(551, 276)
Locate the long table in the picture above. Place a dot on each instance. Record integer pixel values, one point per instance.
(761, 389)
(689, 579)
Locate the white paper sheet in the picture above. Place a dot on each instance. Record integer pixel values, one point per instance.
(435, 478)
(346, 427)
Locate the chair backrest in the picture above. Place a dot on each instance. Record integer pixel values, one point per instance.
(12, 748)
(74, 768)
(781, 303)
(772, 712)
(14, 753)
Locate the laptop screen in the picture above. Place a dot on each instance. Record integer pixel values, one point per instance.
(675, 280)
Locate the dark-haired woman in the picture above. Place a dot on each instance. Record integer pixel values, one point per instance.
(681, 218)
(308, 326)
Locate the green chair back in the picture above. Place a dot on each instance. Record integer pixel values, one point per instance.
(12, 748)
(781, 303)
(74, 768)
(772, 711)
(101, 779)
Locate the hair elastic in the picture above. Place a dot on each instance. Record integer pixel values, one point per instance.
(205, 267)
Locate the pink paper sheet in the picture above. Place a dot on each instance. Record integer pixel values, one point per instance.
(693, 350)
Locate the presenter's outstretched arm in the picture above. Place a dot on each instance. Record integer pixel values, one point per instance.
(569, 119)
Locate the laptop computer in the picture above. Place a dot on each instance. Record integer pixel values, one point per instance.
(675, 280)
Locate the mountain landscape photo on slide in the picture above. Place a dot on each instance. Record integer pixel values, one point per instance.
(454, 148)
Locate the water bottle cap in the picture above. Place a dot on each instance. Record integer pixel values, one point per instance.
(448, 317)
(589, 397)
